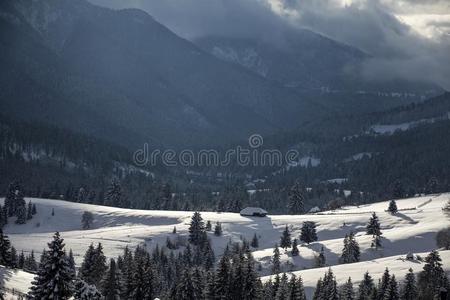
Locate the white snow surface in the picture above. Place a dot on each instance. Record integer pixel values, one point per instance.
(412, 229)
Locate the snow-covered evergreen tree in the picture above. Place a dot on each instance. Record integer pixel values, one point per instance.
(114, 194)
(391, 292)
(296, 200)
(86, 220)
(85, 291)
(285, 241)
(196, 229)
(433, 277)
(255, 242)
(392, 208)
(276, 264)
(30, 211)
(320, 260)
(409, 288)
(373, 227)
(350, 252)
(383, 285)
(5, 249)
(54, 279)
(308, 232)
(347, 292)
(218, 229)
(366, 287)
(295, 251)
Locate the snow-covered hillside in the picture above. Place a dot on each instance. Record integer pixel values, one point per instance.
(413, 229)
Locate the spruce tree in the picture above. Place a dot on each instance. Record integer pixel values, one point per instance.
(285, 241)
(347, 292)
(409, 289)
(54, 280)
(366, 287)
(308, 232)
(276, 264)
(218, 229)
(222, 284)
(296, 200)
(283, 288)
(34, 210)
(29, 211)
(20, 208)
(21, 260)
(86, 220)
(320, 259)
(433, 277)
(329, 289)
(373, 227)
(85, 291)
(350, 252)
(14, 258)
(196, 229)
(392, 207)
(392, 291)
(295, 251)
(114, 194)
(208, 226)
(383, 285)
(318, 292)
(5, 249)
(254, 243)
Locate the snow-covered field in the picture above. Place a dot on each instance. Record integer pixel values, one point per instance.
(413, 229)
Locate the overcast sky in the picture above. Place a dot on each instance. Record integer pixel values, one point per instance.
(409, 38)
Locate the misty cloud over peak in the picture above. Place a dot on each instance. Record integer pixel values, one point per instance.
(404, 41)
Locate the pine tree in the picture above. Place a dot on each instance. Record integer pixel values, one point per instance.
(30, 264)
(34, 210)
(5, 249)
(347, 292)
(85, 291)
(296, 200)
(295, 251)
(366, 287)
(320, 259)
(174, 231)
(276, 264)
(218, 229)
(432, 278)
(255, 242)
(409, 289)
(196, 229)
(373, 227)
(392, 207)
(350, 252)
(54, 280)
(308, 232)
(286, 238)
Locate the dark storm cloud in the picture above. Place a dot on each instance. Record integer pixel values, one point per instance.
(398, 51)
